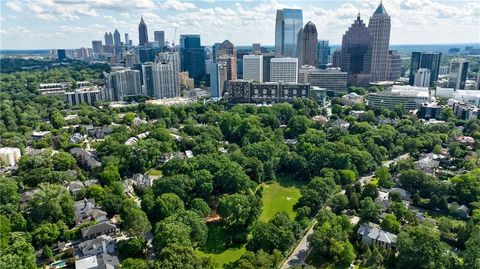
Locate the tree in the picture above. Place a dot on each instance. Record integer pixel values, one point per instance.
(259, 259)
(196, 224)
(347, 176)
(52, 203)
(18, 254)
(109, 174)
(370, 190)
(398, 209)
(384, 177)
(129, 117)
(134, 264)
(45, 234)
(134, 220)
(390, 224)
(168, 232)
(63, 161)
(369, 210)
(199, 206)
(131, 248)
(8, 191)
(316, 193)
(278, 233)
(472, 249)
(239, 210)
(176, 256)
(166, 205)
(338, 203)
(421, 247)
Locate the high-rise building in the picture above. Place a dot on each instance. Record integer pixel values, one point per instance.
(379, 28)
(337, 58)
(307, 45)
(323, 53)
(256, 48)
(214, 52)
(267, 57)
(288, 23)
(458, 74)
(159, 37)
(429, 60)
(87, 95)
(244, 91)
(218, 78)
(394, 65)
(166, 81)
(108, 39)
(284, 70)
(127, 40)
(422, 77)
(61, 54)
(116, 38)
(226, 54)
(147, 79)
(253, 67)
(333, 80)
(130, 59)
(97, 47)
(142, 33)
(477, 86)
(192, 55)
(123, 82)
(443, 70)
(356, 54)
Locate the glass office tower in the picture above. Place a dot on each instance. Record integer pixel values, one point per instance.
(288, 23)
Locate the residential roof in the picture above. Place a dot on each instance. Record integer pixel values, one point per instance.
(86, 263)
(377, 234)
(97, 228)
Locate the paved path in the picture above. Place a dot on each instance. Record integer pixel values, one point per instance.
(301, 252)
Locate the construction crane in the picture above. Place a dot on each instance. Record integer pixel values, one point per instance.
(174, 37)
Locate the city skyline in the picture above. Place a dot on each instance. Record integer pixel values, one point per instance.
(75, 24)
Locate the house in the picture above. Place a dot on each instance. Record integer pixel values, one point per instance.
(341, 124)
(140, 180)
(76, 138)
(291, 142)
(39, 135)
(96, 230)
(459, 211)
(320, 119)
(85, 158)
(102, 261)
(166, 157)
(103, 244)
(189, 154)
(26, 196)
(427, 165)
(356, 113)
(373, 235)
(404, 195)
(86, 210)
(75, 187)
(132, 140)
(99, 132)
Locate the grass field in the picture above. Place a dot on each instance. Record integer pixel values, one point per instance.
(277, 198)
(154, 172)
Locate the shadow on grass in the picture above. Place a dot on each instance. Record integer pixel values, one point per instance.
(287, 181)
(218, 240)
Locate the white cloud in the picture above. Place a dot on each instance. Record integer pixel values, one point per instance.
(14, 5)
(177, 5)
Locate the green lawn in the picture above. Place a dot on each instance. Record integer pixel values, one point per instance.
(217, 247)
(277, 197)
(154, 172)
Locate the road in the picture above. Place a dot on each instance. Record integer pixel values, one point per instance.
(301, 252)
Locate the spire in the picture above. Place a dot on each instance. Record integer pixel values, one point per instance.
(380, 9)
(358, 16)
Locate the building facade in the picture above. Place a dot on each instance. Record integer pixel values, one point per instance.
(116, 38)
(333, 80)
(356, 54)
(243, 91)
(192, 57)
(87, 95)
(429, 60)
(267, 58)
(394, 66)
(323, 53)
(108, 39)
(123, 82)
(147, 79)
(379, 28)
(284, 70)
(422, 77)
(218, 78)
(287, 25)
(159, 37)
(458, 74)
(166, 81)
(253, 67)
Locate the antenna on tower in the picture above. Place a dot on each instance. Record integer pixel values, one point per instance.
(174, 37)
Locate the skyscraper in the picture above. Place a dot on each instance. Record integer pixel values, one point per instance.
(147, 78)
(142, 33)
(256, 48)
(422, 77)
(192, 56)
(97, 47)
(307, 45)
(127, 40)
(323, 51)
(116, 38)
(160, 37)
(267, 57)
(253, 67)
(284, 70)
(108, 39)
(458, 74)
(394, 65)
(429, 60)
(166, 81)
(379, 28)
(226, 53)
(356, 54)
(288, 23)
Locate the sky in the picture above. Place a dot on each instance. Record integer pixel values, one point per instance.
(49, 24)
